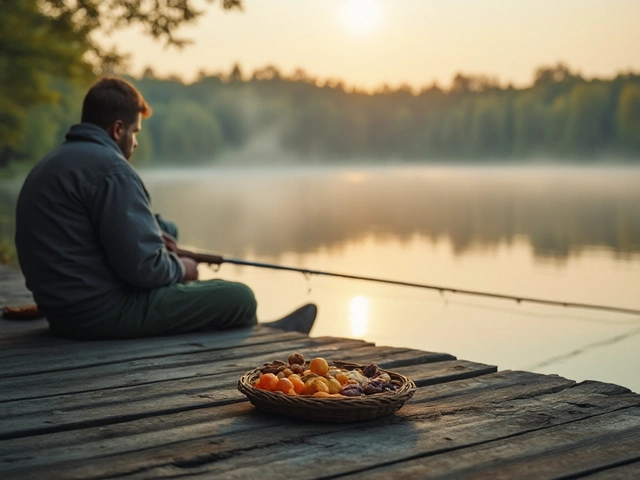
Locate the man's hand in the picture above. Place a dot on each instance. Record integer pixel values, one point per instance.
(190, 265)
(190, 269)
(170, 243)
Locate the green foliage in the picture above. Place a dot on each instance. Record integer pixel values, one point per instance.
(561, 116)
(586, 132)
(186, 133)
(45, 40)
(628, 117)
(28, 60)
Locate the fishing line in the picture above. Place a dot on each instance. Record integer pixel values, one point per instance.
(218, 260)
(586, 348)
(448, 301)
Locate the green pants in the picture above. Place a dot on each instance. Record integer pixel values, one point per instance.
(181, 308)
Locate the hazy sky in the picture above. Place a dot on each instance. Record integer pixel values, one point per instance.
(370, 42)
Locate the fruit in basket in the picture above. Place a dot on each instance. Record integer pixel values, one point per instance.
(268, 381)
(322, 394)
(371, 371)
(296, 359)
(315, 385)
(334, 385)
(298, 384)
(374, 386)
(284, 385)
(321, 378)
(319, 366)
(341, 377)
(296, 368)
(352, 390)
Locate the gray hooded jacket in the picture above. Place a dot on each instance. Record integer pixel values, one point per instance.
(85, 233)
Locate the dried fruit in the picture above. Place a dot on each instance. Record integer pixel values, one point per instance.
(334, 385)
(342, 378)
(298, 384)
(319, 366)
(316, 385)
(374, 386)
(352, 390)
(322, 394)
(296, 359)
(296, 368)
(284, 385)
(371, 370)
(268, 381)
(321, 379)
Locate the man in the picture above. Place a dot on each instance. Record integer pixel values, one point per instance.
(92, 252)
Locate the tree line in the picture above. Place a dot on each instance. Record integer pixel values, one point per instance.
(560, 116)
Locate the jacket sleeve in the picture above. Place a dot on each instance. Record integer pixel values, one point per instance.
(130, 235)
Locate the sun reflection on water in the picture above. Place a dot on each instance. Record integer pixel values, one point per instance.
(359, 315)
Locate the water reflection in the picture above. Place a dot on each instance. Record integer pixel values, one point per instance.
(359, 315)
(559, 212)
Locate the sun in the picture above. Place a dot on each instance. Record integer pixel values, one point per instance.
(360, 16)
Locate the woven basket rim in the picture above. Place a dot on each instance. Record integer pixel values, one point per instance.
(331, 409)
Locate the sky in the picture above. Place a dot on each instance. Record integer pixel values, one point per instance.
(368, 43)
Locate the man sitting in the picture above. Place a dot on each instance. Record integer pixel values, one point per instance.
(93, 253)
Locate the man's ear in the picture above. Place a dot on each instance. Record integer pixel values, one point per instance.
(116, 130)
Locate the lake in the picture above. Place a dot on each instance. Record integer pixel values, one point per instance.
(558, 233)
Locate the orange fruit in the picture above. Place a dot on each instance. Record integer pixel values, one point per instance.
(298, 384)
(342, 378)
(321, 394)
(268, 381)
(319, 366)
(283, 385)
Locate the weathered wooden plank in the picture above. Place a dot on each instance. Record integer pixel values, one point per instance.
(26, 333)
(307, 450)
(630, 471)
(86, 409)
(574, 449)
(227, 420)
(24, 340)
(104, 351)
(451, 370)
(150, 370)
(487, 388)
(337, 454)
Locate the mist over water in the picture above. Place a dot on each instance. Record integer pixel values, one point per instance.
(560, 233)
(559, 211)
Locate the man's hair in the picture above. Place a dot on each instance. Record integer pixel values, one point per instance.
(110, 99)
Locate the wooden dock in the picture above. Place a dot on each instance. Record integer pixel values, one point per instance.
(168, 407)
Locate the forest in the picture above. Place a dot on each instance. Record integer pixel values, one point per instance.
(267, 116)
(561, 116)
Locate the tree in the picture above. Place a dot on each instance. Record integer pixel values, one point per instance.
(188, 133)
(629, 117)
(45, 39)
(27, 58)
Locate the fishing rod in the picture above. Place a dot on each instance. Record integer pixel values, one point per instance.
(219, 260)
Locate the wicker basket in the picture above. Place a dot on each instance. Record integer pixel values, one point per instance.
(321, 409)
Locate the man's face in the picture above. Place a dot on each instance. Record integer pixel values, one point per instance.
(125, 136)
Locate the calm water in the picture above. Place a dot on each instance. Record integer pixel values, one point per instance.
(555, 233)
